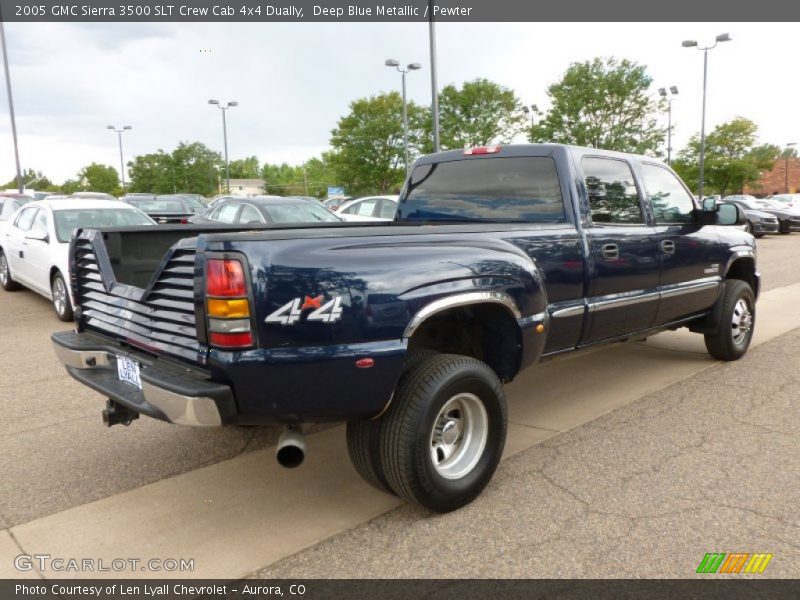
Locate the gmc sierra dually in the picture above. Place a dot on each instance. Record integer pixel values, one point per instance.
(498, 258)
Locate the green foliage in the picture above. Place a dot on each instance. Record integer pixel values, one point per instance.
(31, 179)
(246, 168)
(603, 103)
(99, 178)
(367, 143)
(479, 113)
(191, 168)
(732, 158)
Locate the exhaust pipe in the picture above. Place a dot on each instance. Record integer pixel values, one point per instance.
(291, 448)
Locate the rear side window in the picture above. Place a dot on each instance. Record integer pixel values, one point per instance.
(511, 189)
(670, 200)
(364, 208)
(25, 218)
(613, 197)
(227, 213)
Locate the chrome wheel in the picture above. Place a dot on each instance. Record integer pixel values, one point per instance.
(3, 270)
(742, 321)
(459, 436)
(59, 295)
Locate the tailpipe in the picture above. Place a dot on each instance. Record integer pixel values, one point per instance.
(291, 448)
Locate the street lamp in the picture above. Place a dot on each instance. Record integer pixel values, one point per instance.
(225, 138)
(786, 156)
(411, 67)
(722, 37)
(119, 133)
(533, 111)
(663, 92)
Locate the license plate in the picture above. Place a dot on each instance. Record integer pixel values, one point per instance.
(128, 371)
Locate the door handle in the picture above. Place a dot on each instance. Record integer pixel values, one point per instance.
(668, 246)
(610, 251)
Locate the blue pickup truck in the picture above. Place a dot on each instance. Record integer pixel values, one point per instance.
(498, 258)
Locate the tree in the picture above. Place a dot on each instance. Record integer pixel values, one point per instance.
(732, 158)
(31, 179)
(479, 113)
(191, 167)
(99, 178)
(603, 103)
(367, 155)
(245, 168)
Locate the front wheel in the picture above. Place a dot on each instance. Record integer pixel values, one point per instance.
(785, 227)
(61, 302)
(735, 315)
(443, 435)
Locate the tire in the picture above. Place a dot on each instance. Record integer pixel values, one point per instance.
(6, 281)
(735, 315)
(61, 302)
(749, 227)
(758, 236)
(363, 436)
(784, 227)
(443, 435)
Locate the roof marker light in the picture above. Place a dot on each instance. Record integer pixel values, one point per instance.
(483, 150)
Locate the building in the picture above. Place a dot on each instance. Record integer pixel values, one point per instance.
(775, 181)
(245, 187)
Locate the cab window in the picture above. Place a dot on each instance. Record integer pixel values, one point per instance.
(670, 201)
(613, 196)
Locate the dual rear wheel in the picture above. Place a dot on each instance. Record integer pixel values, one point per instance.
(440, 441)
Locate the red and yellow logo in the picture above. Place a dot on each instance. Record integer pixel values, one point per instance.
(733, 563)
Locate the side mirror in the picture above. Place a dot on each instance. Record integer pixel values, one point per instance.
(42, 237)
(710, 204)
(730, 214)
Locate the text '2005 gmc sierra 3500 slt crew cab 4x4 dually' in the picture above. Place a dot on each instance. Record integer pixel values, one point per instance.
(498, 257)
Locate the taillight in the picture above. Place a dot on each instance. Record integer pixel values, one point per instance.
(482, 150)
(227, 305)
(225, 277)
(184, 221)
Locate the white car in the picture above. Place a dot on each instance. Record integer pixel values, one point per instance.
(369, 208)
(34, 243)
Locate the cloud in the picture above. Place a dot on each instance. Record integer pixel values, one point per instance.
(294, 80)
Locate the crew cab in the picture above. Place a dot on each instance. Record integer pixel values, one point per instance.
(497, 258)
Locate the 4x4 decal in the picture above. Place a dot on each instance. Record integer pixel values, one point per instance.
(291, 312)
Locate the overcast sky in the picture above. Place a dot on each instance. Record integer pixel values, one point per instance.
(293, 81)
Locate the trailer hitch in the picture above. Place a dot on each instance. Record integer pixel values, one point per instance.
(115, 413)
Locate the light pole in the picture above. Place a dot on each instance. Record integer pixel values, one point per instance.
(663, 92)
(20, 185)
(225, 139)
(722, 37)
(411, 67)
(786, 156)
(119, 133)
(434, 86)
(533, 111)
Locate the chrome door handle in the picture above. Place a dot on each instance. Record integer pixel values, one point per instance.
(668, 246)
(610, 251)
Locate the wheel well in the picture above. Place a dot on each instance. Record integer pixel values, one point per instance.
(745, 270)
(487, 332)
(53, 271)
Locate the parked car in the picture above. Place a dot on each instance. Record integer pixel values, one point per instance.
(369, 208)
(760, 223)
(267, 210)
(34, 244)
(497, 259)
(167, 208)
(92, 196)
(788, 221)
(786, 200)
(10, 203)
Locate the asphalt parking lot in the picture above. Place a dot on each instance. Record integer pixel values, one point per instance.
(653, 455)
